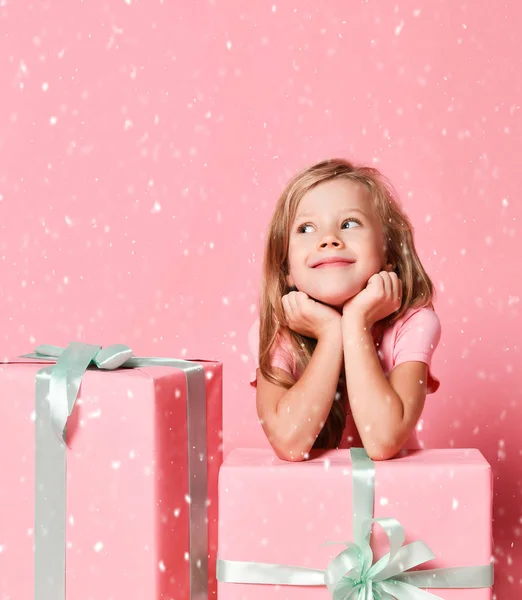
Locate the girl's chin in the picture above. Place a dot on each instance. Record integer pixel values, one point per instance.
(333, 301)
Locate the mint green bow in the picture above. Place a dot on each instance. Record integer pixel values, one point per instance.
(67, 373)
(351, 575)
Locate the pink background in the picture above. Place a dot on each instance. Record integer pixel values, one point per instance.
(143, 146)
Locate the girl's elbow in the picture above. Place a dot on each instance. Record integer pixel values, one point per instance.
(381, 454)
(290, 456)
(378, 451)
(290, 450)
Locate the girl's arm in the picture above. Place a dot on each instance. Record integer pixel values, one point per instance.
(292, 419)
(385, 411)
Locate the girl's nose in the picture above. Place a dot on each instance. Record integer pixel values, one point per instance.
(330, 241)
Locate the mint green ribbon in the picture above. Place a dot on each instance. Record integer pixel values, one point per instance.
(57, 388)
(352, 575)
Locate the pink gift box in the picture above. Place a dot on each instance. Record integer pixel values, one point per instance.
(276, 512)
(127, 497)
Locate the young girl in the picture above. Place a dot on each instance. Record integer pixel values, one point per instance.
(347, 327)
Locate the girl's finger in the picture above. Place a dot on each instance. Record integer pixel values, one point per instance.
(293, 301)
(396, 285)
(376, 282)
(386, 283)
(293, 309)
(286, 308)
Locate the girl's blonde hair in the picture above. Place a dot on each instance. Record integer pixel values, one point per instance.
(417, 288)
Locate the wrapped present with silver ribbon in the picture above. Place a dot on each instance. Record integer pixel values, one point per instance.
(108, 487)
(277, 522)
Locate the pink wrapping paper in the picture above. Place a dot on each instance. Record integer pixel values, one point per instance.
(274, 511)
(127, 485)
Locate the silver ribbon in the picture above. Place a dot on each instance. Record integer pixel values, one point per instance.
(57, 388)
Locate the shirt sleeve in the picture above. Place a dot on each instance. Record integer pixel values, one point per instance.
(416, 340)
(281, 356)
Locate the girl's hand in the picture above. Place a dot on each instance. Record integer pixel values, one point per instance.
(380, 298)
(308, 317)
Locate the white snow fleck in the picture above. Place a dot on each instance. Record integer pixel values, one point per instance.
(177, 512)
(98, 547)
(505, 202)
(454, 504)
(127, 125)
(1, 548)
(132, 454)
(186, 556)
(187, 499)
(229, 44)
(94, 414)
(399, 27)
(161, 566)
(156, 208)
(116, 464)
(53, 120)
(383, 501)
(71, 520)
(33, 416)
(45, 86)
(225, 301)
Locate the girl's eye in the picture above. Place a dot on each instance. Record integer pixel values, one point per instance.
(351, 221)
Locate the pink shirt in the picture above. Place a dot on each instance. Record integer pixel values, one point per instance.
(414, 337)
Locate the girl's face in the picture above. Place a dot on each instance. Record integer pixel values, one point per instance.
(336, 242)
